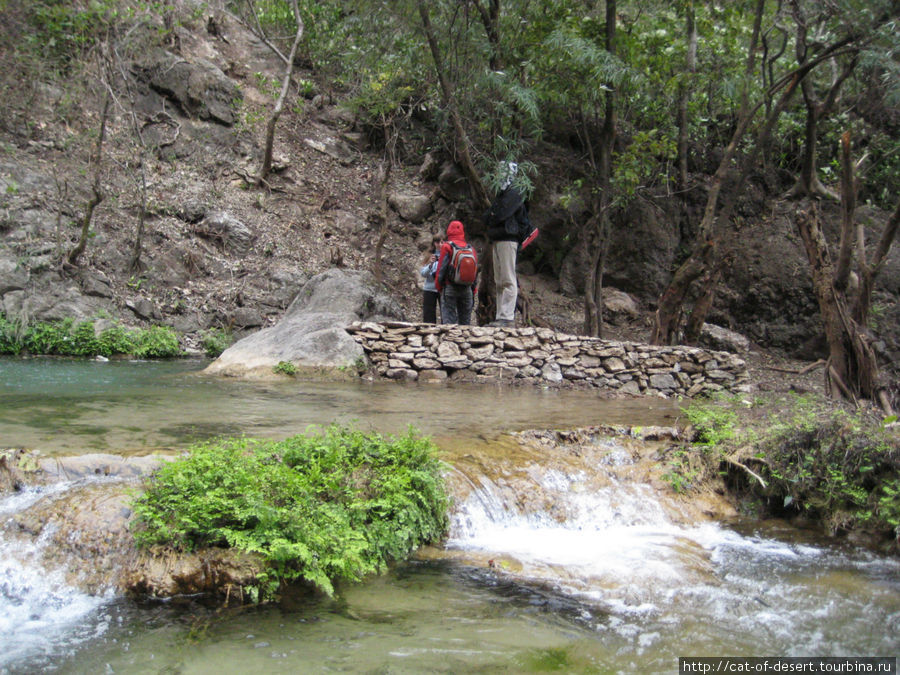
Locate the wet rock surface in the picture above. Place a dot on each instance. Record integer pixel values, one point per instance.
(85, 529)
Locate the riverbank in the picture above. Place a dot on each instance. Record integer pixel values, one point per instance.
(798, 456)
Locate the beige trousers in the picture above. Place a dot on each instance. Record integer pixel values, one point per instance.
(505, 279)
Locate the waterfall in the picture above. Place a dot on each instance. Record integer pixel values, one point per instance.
(41, 616)
(593, 521)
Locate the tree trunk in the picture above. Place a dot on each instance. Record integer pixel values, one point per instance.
(667, 321)
(96, 188)
(463, 146)
(490, 18)
(279, 104)
(851, 370)
(694, 326)
(848, 209)
(598, 240)
(591, 310)
(685, 94)
(385, 211)
(870, 270)
(808, 183)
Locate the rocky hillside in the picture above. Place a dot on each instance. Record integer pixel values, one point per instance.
(219, 254)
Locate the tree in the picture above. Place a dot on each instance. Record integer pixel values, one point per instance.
(599, 240)
(685, 93)
(253, 22)
(463, 148)
(808, 182)
(578, 77)
(706, 257)
(96, 186)
(851, 370)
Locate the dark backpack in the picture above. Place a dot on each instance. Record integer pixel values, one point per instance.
(463, 266)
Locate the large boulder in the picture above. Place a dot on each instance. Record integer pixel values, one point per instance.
(311, 334)
(198, 86)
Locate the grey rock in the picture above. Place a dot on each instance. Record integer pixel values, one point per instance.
(222, 227)
(663, 381)
(412, 207)
(312, 332)
(551, 372)
(716, 337)
(199, 87)
(12, 277)
(333, 147)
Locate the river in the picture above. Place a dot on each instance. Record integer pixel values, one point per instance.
(574, 576)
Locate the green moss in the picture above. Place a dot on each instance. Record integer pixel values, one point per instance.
(330, 506)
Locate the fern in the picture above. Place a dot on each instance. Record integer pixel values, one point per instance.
(333, 505)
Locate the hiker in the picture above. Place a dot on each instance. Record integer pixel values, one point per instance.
(457, 275)
(430, 295)
(509, 229)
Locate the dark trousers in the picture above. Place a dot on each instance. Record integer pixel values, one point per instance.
(456, 304)
(430, 301)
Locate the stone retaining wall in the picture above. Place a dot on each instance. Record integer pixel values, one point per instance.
(414, 351)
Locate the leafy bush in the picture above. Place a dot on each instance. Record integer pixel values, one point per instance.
(334, 505)
(83, 340)
(10, 336)
(836, 466)
(155, 342)
(64, 30)
(114, 340)
(48, 338)
(284, 368)
(841, 469)
(67, 338)
(216, 341)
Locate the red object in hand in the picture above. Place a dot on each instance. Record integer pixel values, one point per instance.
(530, 238)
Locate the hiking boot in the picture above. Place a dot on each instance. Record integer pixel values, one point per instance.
(503, 323)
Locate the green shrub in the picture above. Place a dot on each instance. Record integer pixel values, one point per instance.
(334, 505)
(842, 469)
(10, 336)
(115, 340)
(798, 454)
(83, 340)
(216, 341)
(67, 338)
(155, 342)
(48, 338)
(284, 368)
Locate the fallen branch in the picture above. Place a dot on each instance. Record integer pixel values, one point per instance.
(801, 371)
(736, 463)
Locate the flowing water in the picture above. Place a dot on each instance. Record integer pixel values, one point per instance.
(557, 560)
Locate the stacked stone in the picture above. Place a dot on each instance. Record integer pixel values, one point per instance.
(428, 352)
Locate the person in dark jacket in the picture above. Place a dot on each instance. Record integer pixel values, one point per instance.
(508, 225)
(456, 300)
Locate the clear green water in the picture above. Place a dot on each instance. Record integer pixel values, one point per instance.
(71, 407)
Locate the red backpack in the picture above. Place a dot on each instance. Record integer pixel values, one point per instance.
(463, 265)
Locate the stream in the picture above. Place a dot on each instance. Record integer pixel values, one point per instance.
(555, 561)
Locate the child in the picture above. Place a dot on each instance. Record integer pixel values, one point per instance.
(430, 295)
(457, 298)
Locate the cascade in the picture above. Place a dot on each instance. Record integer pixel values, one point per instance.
(41, 615)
